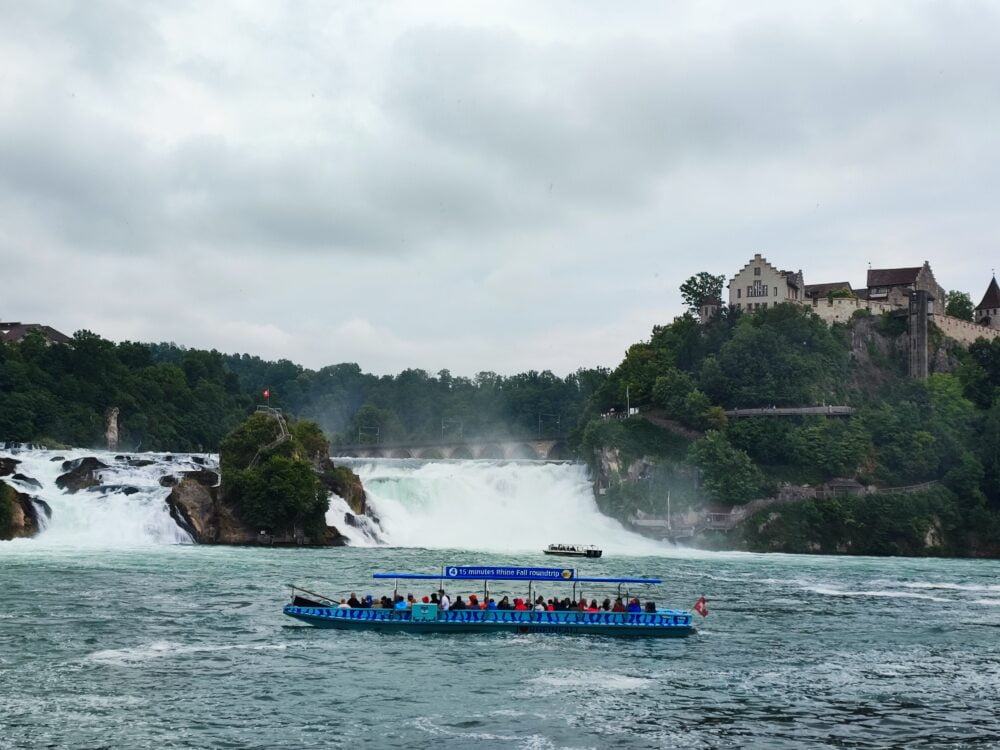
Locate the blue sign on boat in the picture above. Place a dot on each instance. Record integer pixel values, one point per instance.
(510, 573)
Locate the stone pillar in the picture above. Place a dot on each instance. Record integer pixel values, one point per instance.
(111, 434)
(917, 326)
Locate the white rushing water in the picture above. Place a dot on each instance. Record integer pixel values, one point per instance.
(127, 510)
(479, 505)
(490, 505)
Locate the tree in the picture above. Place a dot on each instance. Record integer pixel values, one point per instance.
(959, 305)
(701, 287)
(729, 474)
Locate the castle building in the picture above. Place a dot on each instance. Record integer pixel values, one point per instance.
(988, 311)
(816, 292)
(759, 285)
(894, 285)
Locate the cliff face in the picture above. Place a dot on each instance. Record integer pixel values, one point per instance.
(20, 516)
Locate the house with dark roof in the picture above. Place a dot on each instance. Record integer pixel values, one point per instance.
(988, 311)
(14, 332)
(894, 285)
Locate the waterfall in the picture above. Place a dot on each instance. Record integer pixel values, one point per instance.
(490, 505)
(126, 510)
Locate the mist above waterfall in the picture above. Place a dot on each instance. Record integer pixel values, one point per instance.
(490, 505)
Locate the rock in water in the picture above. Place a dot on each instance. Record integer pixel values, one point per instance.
(80, 474)
(18, 515)
(8, 466)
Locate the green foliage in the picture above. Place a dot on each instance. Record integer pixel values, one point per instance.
(278, 495)
(959, 305)
(883, 524)
(728, 473)
(841, 293)
(700, 287)
(281, 491)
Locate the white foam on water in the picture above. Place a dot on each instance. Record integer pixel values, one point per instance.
(987, 602)
(167, 649)
(830, 591)
(575, 680)
(492, 505)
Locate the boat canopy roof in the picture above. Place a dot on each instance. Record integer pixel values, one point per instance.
(510, 573)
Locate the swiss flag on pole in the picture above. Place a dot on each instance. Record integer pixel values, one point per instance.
(701, 607)
(267, 393)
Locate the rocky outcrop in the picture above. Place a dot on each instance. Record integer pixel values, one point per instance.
(343, 482)
(8, 466)
(199, 508)
(19, 516)
(80, 474)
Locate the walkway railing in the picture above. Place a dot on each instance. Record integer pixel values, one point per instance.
(283, 436)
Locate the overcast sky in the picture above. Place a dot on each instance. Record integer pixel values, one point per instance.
(477, 186)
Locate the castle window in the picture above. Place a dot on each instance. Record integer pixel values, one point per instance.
(756, 271)
(738, 292)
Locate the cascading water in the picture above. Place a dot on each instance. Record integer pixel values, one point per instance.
(490, 505)
(127, 509)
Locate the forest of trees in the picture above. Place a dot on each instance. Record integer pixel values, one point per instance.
(904, 431)
(172, 398)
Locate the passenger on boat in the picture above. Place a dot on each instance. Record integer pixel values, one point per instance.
(539, 604)
(343, 604)
(619, 605)
(353, 601)
(634, 606)
(606, 605)
(473, 601)
(491, 604)
(445, 601)
(426, 600)
(593, 606)
(400, 603)
(519, 605)
(459, 604)
(651, 607)
(505, 603)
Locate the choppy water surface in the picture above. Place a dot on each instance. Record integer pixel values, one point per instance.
(184, 646)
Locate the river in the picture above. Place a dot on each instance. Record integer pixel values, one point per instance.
(131, 641)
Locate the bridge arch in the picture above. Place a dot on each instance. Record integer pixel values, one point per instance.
(493, 451)
(429, 453)
(399, 453)
(522, 451)
(461, 451)
(559, 452)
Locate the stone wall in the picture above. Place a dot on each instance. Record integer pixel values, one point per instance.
(840, 309)
(963, 331)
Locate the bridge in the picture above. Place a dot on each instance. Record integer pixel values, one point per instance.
(792, 411)
(552, 448)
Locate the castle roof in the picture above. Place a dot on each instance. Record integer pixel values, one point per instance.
(892, 276)
(821, 290)
(991, 299)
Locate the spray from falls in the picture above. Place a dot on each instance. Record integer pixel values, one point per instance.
(487, 505)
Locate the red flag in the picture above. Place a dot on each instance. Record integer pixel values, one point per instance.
(267, 393)
(701, 607)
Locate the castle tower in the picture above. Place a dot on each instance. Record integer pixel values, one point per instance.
(988, 311)
(917, 327)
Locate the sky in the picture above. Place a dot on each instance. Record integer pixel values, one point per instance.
(472, 186)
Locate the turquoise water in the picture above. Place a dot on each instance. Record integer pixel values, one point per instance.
(186, 647)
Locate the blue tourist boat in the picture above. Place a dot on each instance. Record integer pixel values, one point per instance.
(431, 618)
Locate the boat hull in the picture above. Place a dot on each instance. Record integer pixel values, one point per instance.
(568, 553)
(662, 624)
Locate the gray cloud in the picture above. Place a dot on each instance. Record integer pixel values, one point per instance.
(425, 189)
